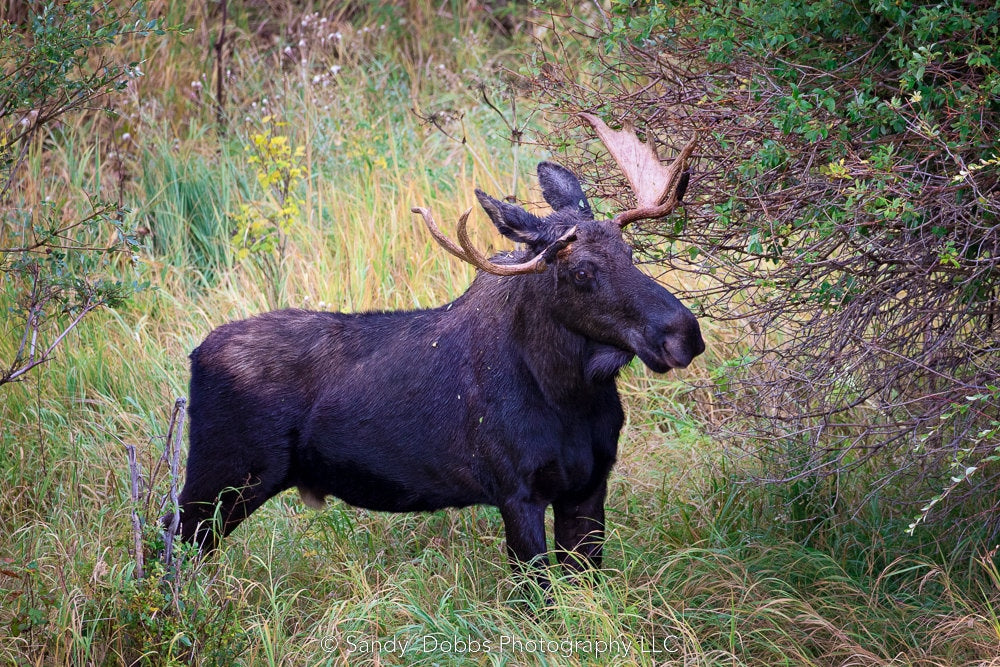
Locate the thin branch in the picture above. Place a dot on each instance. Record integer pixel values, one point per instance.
(220, 92)
(172, 451)
(32, 361)
(135, 476)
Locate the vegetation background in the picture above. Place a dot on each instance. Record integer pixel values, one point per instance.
(167, 167)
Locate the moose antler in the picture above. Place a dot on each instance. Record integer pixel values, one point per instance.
(468, 253)
(658, 189)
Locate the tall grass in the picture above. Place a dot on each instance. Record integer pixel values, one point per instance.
(701, 569)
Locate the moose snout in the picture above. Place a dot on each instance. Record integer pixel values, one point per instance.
(681, 340)
(677, 356)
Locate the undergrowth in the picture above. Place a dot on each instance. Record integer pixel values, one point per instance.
(702, 566)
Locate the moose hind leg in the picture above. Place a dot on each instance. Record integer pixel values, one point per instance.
(579, 530)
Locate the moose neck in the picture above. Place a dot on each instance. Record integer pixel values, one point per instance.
(567, 367)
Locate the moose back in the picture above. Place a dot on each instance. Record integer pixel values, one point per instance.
(505, 396)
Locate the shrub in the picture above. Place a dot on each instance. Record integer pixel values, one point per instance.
(56, 263)
(843, 208)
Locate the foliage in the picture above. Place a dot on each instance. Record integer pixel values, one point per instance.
(844, 210)
(262, 226)
(980, 449)
(56, 262)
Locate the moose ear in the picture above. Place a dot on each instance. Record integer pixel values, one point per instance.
(562, 190)
(513, 221)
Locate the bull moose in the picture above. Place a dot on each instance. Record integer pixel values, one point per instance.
(505, 396)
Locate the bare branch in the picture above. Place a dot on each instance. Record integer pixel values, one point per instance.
(32, 361)
(175, 434)
(135, 477)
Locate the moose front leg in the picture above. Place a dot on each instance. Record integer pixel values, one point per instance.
(524, 526)
(579, 529)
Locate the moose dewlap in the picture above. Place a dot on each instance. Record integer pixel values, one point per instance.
(505, 396)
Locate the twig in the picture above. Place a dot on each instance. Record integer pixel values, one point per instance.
(220, 101)
(135, 474)
(32, 361)
(172, 452)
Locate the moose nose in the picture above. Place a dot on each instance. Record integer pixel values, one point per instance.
(676, 356)
(682, 341)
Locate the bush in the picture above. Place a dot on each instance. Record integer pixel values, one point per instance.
(57, 264)
(844, 209)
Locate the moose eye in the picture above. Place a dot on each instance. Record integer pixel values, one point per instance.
(582, 276)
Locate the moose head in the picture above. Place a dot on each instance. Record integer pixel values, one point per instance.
(598, 291)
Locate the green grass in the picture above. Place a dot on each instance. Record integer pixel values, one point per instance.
(702, 567)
